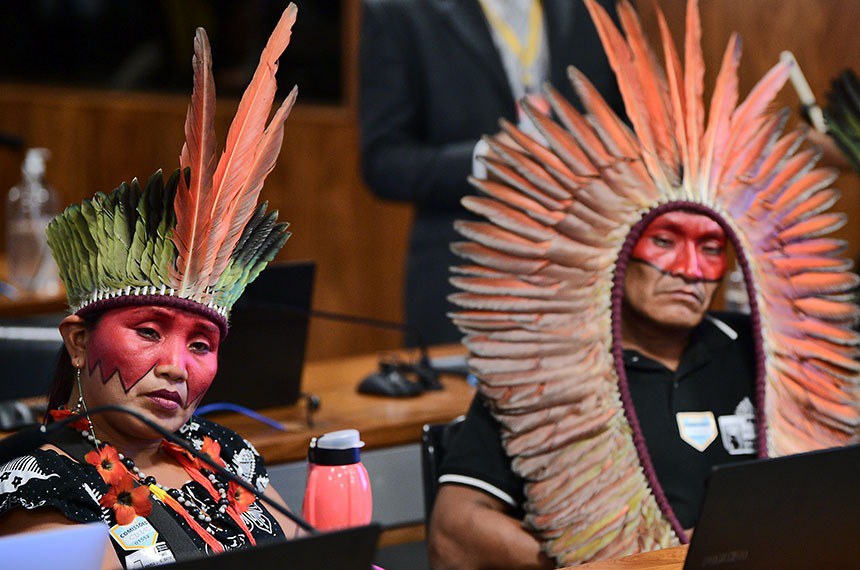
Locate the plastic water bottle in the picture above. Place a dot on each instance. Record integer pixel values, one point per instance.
(338, 492)
(29, 207)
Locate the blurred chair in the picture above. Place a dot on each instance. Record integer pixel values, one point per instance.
(435, 441)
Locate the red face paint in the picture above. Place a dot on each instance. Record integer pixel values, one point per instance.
(171, 342)
(687, 245)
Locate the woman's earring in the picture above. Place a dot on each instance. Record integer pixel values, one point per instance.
(81, 407)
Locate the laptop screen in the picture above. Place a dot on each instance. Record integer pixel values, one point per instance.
(260, 362)
(73, 547)
(347, 549)
(798, 511)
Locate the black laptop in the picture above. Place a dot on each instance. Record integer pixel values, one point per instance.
(349, 549)
(260, 362)
(800, 511)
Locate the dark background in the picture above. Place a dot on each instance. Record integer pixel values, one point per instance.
(143, 45)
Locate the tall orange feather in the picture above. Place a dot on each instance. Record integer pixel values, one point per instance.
(218, 200)
(744, 125)
(694, 77)
(621, 59)
(652, 81)
(243, 142)
(198, 155)
(267, 152)
(674, 78)
(719, 117)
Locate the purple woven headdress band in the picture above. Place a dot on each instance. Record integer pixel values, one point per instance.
(160, 300)
(618, 349)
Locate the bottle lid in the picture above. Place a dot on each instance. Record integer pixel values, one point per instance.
(341, 439)
(336, 448)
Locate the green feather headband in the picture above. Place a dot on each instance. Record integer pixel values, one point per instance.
(197, 240)
(118, 249)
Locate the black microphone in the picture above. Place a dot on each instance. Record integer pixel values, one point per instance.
(390, 379)
(33, 437)
(428, 377)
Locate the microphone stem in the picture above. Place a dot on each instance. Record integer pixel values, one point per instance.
(352, 319)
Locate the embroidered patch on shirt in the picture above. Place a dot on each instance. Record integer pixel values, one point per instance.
(699, 429)
(738, 431)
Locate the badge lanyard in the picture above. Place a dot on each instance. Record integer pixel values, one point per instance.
(194, 473)
(526, 54)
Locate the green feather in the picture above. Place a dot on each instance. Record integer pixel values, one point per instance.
(54, 233)
(250, 227)
(81, 231)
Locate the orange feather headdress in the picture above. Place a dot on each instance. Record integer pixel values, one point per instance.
(540, 298)
(197, 240)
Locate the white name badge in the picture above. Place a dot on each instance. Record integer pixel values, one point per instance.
(149, 556)
(698, 429)
(738, 431)
(138, 534)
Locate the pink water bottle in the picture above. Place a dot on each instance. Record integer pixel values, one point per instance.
(338, 491)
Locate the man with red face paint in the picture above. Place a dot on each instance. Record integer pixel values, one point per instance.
(151, 272)
(674, 271)
(690, 376)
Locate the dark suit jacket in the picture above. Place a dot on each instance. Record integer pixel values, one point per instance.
(432, 83)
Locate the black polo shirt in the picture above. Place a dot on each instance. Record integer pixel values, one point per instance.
(693, 418)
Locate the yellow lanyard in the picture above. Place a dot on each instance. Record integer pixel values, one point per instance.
(525, 54)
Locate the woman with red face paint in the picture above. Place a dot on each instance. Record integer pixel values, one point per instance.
(151, 272)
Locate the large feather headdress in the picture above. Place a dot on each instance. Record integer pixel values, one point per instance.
(198, 239)
(540, 298)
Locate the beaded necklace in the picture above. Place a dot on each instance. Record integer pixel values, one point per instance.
(227, 498)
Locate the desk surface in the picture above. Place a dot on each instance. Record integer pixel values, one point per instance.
(29, 304)
(382, 421)
(667, 559)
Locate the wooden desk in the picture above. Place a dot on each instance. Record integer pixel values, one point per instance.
(382, 421)
(29, 304)
(667, 559)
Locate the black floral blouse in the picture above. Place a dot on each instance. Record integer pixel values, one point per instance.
(48, 479)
